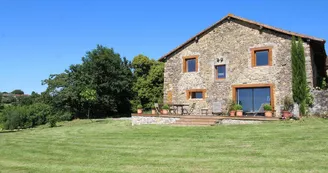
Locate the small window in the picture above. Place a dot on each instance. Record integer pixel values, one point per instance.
(262, 56)
(220, 72)
(196, 94)
(190, 64)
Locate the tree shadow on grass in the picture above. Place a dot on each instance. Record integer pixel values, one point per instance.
(8, 131)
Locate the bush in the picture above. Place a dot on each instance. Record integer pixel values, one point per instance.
(288, 104)
(139, 106)
(65, 116)
(238, 107)
(166, 107)
(52, 121)
(20, 117)
(267, 107)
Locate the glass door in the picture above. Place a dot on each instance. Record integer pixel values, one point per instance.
(252, 98)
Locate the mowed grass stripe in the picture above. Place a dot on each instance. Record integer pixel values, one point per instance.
(116, 146)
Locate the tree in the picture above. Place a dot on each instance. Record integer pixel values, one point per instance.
(101, 69)
(89, 97)
(148, 84)
(18, 91)
(299, 83)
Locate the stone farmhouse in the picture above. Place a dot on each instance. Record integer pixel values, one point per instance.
(238, 59)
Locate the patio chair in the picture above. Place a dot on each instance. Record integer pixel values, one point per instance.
(188, 112)
(157, 108)
(259, 111)
(172, 109)
(217, 108)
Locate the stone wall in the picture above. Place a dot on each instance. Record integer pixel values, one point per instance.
(232, 41)
(320, 106)
(139, 120)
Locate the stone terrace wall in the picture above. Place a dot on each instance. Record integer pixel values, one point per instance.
(320, 102)
(139, 120)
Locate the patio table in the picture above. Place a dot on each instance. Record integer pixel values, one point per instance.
(179, 105)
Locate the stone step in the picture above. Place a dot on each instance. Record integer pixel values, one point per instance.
(195, 122)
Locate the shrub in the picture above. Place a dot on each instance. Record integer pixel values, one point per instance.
(139, 107)
(52, 121)
(267, 107)
(65, 116)
(288, 104)
(238, 107)
(166, 107)
(231, 105)
(19, 117)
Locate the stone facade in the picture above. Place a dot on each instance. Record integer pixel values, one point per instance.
(232, 42)
(139, 120)
(320, 106)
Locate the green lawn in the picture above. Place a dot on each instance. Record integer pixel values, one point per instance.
(116, 146)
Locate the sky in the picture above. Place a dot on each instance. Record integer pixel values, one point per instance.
(43, 37)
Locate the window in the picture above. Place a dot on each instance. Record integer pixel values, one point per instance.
(253, 96)
(196, 94)
(220, 71)
(261, 56)
(190, 64)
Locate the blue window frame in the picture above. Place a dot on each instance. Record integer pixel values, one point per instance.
(220, 72)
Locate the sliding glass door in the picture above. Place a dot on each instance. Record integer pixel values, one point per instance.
(252, 98)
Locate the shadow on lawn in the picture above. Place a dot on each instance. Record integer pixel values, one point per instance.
(8, 131)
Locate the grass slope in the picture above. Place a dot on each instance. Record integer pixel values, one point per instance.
(116, 146)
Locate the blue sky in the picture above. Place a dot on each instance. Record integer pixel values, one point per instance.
(43, 37)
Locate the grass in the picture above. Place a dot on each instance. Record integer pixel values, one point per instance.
(116, 146)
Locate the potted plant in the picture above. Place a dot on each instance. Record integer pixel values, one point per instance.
(139, 107)
(267, 110)
(288, 106)
(165, 109)
(231, 108)
(153, 111)
(239, 110)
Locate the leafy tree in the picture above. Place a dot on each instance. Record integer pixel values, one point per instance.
(18, 91)
(101, 69)
(89, 96)
(148, 84)
(299, 83)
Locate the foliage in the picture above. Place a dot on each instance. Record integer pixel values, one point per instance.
(288, 104)
(18, 91)
(139, 106)
(322, 83)
(52, 121)
(102, 70)
(299, 83)
(238, 107)
(166, 107)
(267, 107)
(9, 99)
(20, 117)
(231, 105)
(148, 82)
(89, 96)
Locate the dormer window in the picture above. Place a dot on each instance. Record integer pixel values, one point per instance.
(261, 56)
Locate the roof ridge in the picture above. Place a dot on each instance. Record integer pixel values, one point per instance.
(230, 15)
